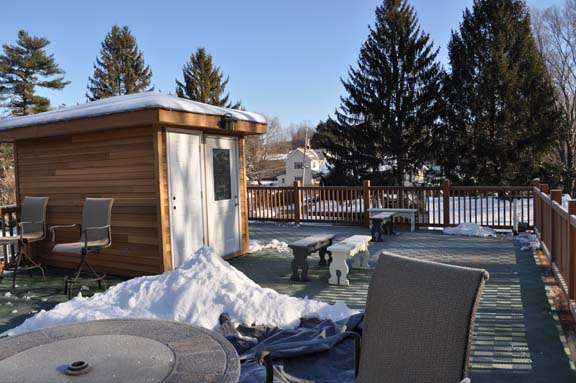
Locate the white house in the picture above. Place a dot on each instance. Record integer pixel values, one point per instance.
(315, 160)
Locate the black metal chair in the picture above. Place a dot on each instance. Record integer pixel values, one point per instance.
(95, 234)
(31, 228)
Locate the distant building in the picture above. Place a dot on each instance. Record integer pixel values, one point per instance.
(315, 161)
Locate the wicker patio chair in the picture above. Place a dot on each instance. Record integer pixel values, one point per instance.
(95, 234)
(30, 229)
(419, 323)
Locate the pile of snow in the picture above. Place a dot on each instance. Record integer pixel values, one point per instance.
(469, 229)
(197, 293)
(565, 199)
(527, 241)
(273, 244)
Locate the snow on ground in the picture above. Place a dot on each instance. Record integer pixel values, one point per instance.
(527, 241)
(274, 244)
(196, 292)
(469, 229)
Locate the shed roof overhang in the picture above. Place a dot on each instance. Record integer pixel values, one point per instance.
(144, 110)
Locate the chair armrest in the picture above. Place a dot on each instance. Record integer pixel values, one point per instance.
(54, 228)
(24, 223)
(266, 358)
(87, 229)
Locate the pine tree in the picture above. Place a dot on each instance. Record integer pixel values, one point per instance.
(24, 67)
(502, 115)
(120, 69)
(393, 100)
(203, 81)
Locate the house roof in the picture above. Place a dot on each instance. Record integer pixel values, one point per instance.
(313, 154)
(131, 102)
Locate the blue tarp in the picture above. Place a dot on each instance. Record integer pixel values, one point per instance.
(316, 351)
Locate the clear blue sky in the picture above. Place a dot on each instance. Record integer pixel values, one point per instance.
(285, 58)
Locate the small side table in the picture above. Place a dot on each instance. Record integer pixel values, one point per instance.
(119, 350)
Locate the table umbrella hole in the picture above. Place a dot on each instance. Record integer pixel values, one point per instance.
(77, 368)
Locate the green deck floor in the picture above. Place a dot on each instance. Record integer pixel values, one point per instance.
(518, 337)
(33, 294)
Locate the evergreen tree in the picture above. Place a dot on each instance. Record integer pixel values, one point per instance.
(23, 67)
(120, 69)
(203, 81)
(393, 100)
(502, 115)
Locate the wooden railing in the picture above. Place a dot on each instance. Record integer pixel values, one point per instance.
(9, 216)
(555, 225)
(438, 206)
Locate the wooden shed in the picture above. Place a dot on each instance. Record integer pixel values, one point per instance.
(175, 167)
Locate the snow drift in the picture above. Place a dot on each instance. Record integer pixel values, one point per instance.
(469, 229)
(197, 292)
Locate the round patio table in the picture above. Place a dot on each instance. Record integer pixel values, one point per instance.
(119, 350)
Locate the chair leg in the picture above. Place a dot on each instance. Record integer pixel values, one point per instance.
(69, 282)
(16, 266)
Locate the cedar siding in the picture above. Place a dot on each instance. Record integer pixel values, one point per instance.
(117, 163)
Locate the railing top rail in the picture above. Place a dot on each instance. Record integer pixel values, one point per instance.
(410, 188)
(331, 187)
(9, 209)
(492, 188)
(270, 188)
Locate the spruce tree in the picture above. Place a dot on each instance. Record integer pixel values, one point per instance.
(120, 69)
(24, 67)
(501, 108)
(203, 81)
(392, 103)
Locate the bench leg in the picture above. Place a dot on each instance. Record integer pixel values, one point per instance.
(361, 258)
(300, 262)
(413, 223)
(377, 230)
(322, 253)
(339, 269)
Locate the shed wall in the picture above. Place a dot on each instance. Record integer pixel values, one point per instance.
(116, 163)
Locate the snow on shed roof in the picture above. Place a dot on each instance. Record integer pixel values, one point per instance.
(131, 102)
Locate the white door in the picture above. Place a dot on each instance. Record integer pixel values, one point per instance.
(185, 182)
(224, 234)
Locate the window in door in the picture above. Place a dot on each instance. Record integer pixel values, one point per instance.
(221, 174)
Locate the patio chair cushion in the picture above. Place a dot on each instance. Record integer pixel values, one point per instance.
(419, 321)
(76, 247)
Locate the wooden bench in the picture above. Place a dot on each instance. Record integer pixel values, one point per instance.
(378, 221)
(398, 212)
(355, 246)
(306, 246)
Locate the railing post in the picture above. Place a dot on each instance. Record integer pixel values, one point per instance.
(556, 195)
(571, 250)
(555, 247)
(536, 206)
(297, 202)
(366, 193)
(446, 202)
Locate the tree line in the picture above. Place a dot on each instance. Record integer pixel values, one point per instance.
(119, 69)
(502, 113)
